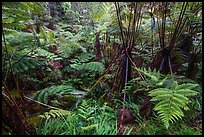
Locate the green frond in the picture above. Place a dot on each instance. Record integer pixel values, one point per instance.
(90, 127)
(172, 101)
(93, 66)
(159, 91)
(69, 48)
(44, 94)
(144, 71)
(45, 98)
(174, 85)
(54, 113)
(40, 95)
(178, 101)
(99, 10)
(177, 109)
(186, 92)
(181, 97)
(82, 58)
(85, 111)
(162, 104)
(160, 83)
(153, 76)
(186, 86)
(15, 14)
(162, 97)
(90, 66)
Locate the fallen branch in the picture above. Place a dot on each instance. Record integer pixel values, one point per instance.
(40, 103)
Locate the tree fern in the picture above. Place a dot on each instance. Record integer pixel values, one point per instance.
(172, 100)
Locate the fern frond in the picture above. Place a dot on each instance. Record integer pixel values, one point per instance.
(57, 91)
(186, 92)
(90, 66)
(69, 48)
(172, 100)
(161, 97)
(159, 91)
(90, 127)
(93, 66)
(99, 10)
(186, 86)
(153, 76)
(54, 113)
(82, 58)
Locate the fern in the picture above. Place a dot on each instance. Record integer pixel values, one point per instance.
(64, 96)
(90, 66)
(40, 52)
(90, 127)
(152, 78)
(99, 9)
(93, 66)
(93, 116)
(55, 91)
(22, 63)
(131, 85)
(85, 111)
(172, 100)
(47, 36)
(82, 58)
(70, 48)
(25, 64)
(15, 14)
(54, 113)
(170, 96)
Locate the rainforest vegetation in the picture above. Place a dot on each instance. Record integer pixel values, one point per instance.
(101, 68)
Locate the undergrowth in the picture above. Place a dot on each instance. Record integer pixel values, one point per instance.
(88, 119)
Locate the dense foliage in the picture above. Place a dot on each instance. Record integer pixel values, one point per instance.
(101, 68)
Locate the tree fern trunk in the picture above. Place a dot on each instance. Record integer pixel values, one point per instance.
(191, 71)
(98, 52)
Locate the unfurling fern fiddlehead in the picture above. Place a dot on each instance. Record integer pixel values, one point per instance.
(171, 100)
